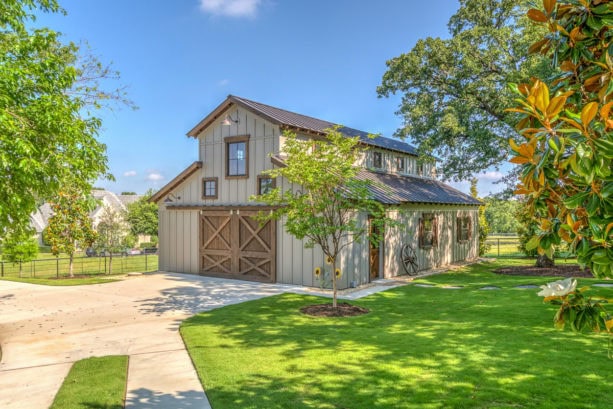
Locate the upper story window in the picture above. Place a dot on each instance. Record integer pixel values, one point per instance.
(464, 228)
(421, 169)
(209, 188)
(377, 160)
(237, 156)
(400, 164)
(265, 184)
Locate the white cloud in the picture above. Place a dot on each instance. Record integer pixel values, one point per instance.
(230, 8)
(491, 175)
(129, 173)
(223, 82)
(154, 177)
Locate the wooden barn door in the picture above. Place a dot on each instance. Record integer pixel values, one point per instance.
(235, 245)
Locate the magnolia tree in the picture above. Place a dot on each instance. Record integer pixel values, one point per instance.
(112, 233)
(70, 226)
(566, 145)
(327, 198)
(567, 149)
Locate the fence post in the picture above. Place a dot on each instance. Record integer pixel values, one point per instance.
(146, 263)
(57, 266)
(33, 268)
(498, 247)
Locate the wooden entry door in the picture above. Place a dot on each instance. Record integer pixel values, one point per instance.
(234, 245)
(374, 251)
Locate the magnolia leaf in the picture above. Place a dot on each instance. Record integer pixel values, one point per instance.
(536, 47)
(605, 111)
(519, 160)
(556, 105)
(537, 15)
(549, 5)
(514, 146)
(533, 243)
(541, 100)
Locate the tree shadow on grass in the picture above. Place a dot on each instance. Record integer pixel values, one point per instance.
(145, 398)
(426, 348)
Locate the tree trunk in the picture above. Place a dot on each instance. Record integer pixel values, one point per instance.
(334, 287)
(542, 261)
(70, 265)
(110, 263)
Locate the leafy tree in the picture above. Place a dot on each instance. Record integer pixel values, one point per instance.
(484, 228)
(454, 91)
(47, 131)
(112, 232)
(19, 247)
(322, 207)
(70, 226)
(500, 215)
(142, 216)
(526, 228)
(566, 147)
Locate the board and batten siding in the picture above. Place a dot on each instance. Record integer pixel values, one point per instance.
(296, 263)
(448, 251)
(178, 240)
(179, 228)
(263, 140)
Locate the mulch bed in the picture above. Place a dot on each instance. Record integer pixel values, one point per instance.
(563, 270)
(341, 310)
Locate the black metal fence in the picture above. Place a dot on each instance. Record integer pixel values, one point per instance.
(82, 266)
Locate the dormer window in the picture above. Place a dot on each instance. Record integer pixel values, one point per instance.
(400, 164)
(377, 160)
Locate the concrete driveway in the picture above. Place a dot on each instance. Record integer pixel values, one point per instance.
(43, 330)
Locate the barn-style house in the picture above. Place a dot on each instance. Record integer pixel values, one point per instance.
(207, 223)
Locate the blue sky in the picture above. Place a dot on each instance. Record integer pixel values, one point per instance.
(180, 59)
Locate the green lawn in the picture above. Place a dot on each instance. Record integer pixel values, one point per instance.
(94, 383)
(417, 348)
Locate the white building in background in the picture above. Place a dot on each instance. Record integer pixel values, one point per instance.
(118, 203)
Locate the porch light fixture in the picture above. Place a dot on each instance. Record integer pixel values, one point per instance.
(228, 120)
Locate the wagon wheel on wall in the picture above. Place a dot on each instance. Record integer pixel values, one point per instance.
(409, 259)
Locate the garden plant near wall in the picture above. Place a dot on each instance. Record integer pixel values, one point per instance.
(567, 147)
(323, 209)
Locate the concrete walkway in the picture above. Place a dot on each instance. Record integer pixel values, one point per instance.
(43, 330)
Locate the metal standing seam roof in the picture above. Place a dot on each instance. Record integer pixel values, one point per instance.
(292, 119)
(392, 189)
(396, 189)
